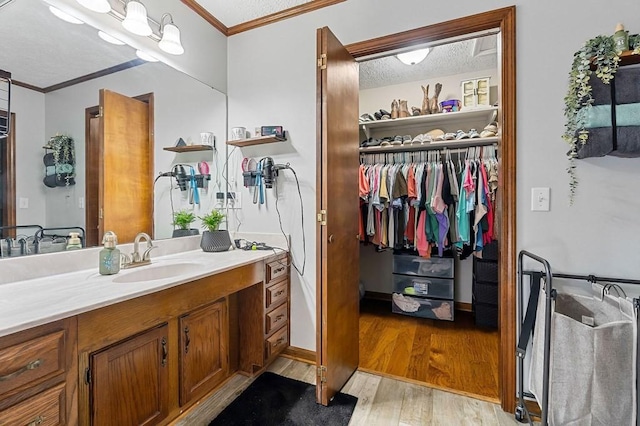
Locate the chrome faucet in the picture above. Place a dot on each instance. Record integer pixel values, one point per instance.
(136, 258)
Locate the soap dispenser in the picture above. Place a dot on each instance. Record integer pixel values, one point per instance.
(74, 242)
(109, 255)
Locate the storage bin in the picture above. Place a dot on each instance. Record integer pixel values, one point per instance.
(422, 307)
(451, 105)
(441, 267)
(423, 286)
(486, 315)
(490, 251)
(486, 292)
(485, 270)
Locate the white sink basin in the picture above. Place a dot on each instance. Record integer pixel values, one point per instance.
(156, 272)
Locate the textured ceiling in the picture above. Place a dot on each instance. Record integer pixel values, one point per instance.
(233, 12)
(42, 50)
(444, 60)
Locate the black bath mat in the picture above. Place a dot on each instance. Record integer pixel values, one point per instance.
(275, 400)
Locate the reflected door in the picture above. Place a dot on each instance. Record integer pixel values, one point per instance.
(120, 167)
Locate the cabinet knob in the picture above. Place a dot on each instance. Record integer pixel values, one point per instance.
(331, 238)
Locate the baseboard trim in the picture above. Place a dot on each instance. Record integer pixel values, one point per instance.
(299, 354)
(374, 295)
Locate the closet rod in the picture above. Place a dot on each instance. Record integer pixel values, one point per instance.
(594, 279)
(465, 143)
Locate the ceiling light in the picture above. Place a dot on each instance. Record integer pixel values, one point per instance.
(135, 20)
(64, 16)
(414, 57)
(100, 6)
(109, 38)
(145, 56)
(170, 41)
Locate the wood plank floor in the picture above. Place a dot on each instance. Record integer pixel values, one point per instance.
(455, 356)
(381, 401)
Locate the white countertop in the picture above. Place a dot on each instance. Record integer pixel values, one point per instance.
(29, 303)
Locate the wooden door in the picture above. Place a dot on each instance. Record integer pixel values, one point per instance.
(203, 350)
(337, 239)
(126, 167)
(129, 381)
(8, 178)
(92, 181)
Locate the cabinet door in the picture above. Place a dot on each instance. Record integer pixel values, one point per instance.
(130, 381)
(468, 88)
(203, 350)
(482, 92)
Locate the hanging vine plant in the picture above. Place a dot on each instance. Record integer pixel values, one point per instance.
(598, 55)
(64, 156)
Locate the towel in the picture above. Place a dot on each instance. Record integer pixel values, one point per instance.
(600, 142)
(600, 115)
(626, 83)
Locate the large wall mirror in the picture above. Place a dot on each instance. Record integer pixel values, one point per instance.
(59, 71)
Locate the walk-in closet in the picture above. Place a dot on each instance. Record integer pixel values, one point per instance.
(429, 228)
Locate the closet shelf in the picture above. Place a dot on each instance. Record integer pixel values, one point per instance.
(443, 118)
(256, 141)
(464, 143)
(189, 148)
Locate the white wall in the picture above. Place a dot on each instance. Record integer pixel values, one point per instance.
(272, 80)
(28, 107)
(372, 100)
(183, 107)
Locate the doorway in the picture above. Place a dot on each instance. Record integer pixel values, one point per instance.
(7, 179)
(504, 21)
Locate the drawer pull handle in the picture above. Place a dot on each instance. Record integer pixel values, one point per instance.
(31, 366)
(277, 271)
(277, 343)
(187, 340)
(279, 293)
(164, 351)
(37, 421)
(278, 318)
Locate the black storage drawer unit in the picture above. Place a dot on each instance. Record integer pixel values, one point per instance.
(423, 287)
(486, 315)
(486, 291)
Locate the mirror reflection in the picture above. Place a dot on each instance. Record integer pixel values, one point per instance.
(119, 176)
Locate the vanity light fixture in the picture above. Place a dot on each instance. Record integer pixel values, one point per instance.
(414, 57)
(100, 6)
(110, 39)
(145, 56)
(170, 41)
(65, 16)
(135, 20)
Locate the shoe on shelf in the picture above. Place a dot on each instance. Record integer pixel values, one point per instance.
(415, 111)
(435, 134)
(473, 133)
(366, 117)
(449, 136)
(377, 115)
(394, 109)
(406, 139)
(426, 138)
(397, 140)
(489, 130)
(461, 135)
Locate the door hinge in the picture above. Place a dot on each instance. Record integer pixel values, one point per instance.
(100, 111)
(322, 61)
(322, 217)
(322, 374)
(87, 376)
(100, 213)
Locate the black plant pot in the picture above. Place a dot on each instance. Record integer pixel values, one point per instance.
(184, 232)
(215, 241)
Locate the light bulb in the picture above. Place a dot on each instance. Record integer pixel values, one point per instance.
(135, 20)
(414, 57)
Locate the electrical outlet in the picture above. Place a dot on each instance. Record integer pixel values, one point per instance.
(234, 200)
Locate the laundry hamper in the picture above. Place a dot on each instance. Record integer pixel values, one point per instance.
(592, 378)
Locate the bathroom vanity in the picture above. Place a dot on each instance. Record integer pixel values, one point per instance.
(143, 346)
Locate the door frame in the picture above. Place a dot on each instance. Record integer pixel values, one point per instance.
(8, 181)
(503, 19)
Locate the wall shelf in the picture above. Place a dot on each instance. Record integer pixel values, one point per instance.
(189, 148)
(431, 120)
(256, 141)
(463, 143)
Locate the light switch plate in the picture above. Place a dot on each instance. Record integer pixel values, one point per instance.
(540, 198)
(23, 202)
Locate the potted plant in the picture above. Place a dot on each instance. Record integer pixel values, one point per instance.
(214, 239)
(183, 219)
(600, 56)
(62, 159)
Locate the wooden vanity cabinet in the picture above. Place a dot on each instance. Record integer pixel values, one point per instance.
(38, 375)
(129, 381)
(204, 362)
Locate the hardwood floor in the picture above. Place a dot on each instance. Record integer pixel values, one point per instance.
(381, 401)
(455, 356)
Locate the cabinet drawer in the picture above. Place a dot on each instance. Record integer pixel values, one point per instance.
(276, 294)
(276, 318)
(441, 267)
(422, 307)
(276, 269)
(423, 286)
(43, 409)
(31, 362)
(276, 343)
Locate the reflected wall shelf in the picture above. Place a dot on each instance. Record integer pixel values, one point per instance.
(463, 143)
(189, 148)
(256, 141)
(432, 120)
